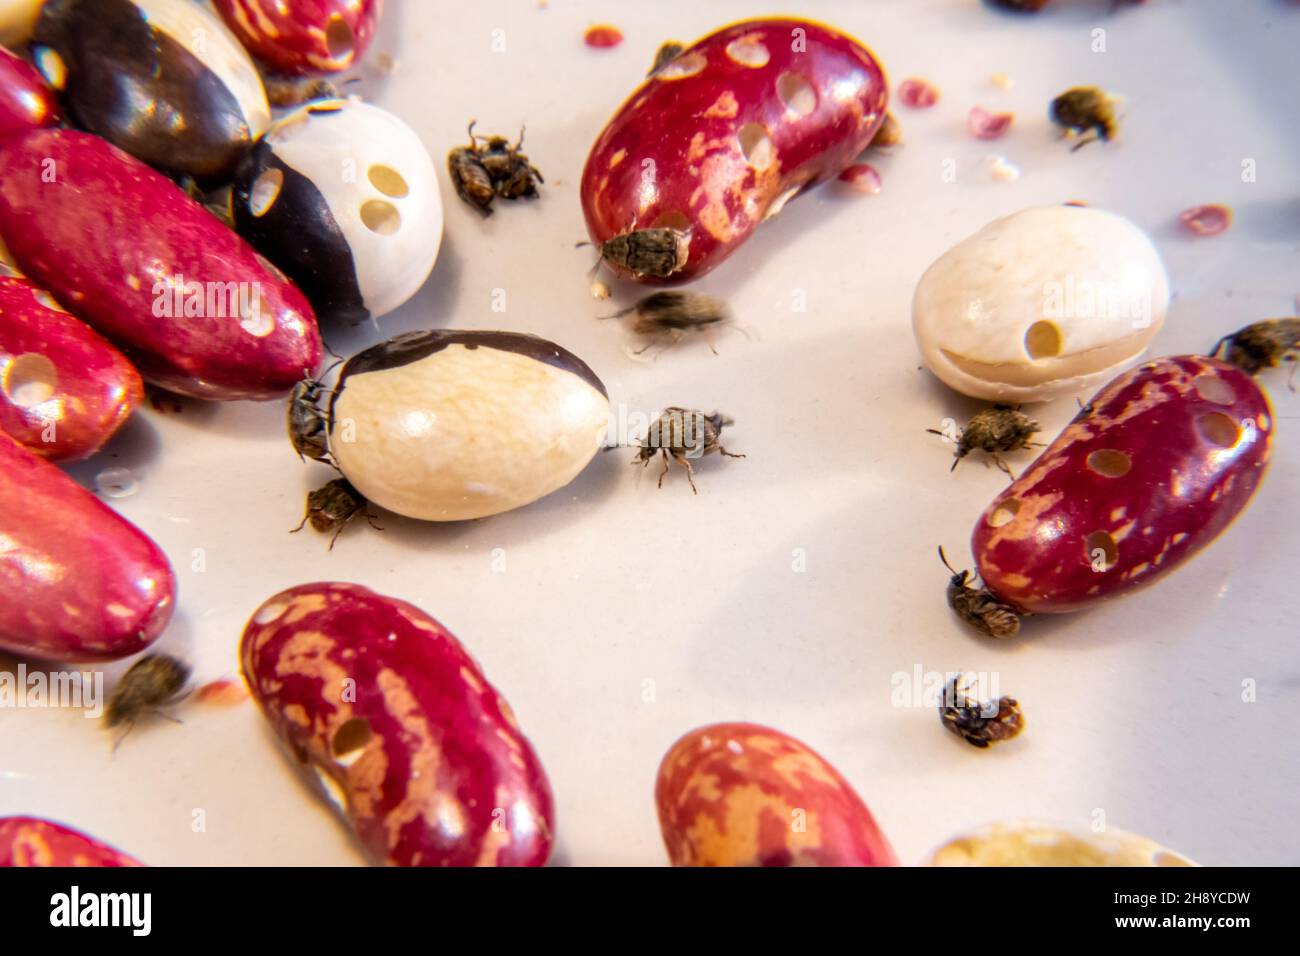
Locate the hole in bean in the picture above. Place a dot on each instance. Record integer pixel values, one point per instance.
(748, 51)
(1004, 512)
(117, 483)
(339, 39)
(1214, 389)
(1218, 429)
(688, 64)
(269, 612)
(389, 182)
(1102, 550)
(381, 217)
(1043, 340)
(672, 219)
(1110, 463)
(265, 192)
(756, 145)
(351, 737)
(796, 93)
(30, 380)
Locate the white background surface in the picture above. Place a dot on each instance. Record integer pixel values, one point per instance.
(1134, 708)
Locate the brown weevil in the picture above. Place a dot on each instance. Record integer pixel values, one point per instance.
(481, 173)
(980, 607)
(151, 683)
(979, 724)
(664, 55)
(681, 434)
(332, 506)
(512, 175)
(1000, 428)
(657, 252)
(289, 91)
(1086, 110)
(308, 431)
(675, 313)
(470, 177)
(1262, 345)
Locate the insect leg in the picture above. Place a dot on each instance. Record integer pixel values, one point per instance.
(665, 471)
(729, 454)
(690, 471)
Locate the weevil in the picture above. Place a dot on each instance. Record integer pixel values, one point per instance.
(979, 724)
(680, 434)
(980, 607)
(1000, 428)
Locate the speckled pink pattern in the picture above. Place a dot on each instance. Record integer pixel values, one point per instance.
(1186, 481)
(434, 770)
(671, 156)
(31, 841)
(296, 38)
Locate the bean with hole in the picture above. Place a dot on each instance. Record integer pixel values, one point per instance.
(343, 197)
(306, 36)
(1149, 472)
(1048, 301)
(722, 133)
(198, 311)
(64, 390)
(388, 713)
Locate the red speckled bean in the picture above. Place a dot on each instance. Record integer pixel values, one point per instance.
(721, 136)
(745, 795)
(77, 581)
(64, 390)
(31, 841)
(401, 728)
(109, 237)
(308, 36)
(25, 101)
(1169, 454)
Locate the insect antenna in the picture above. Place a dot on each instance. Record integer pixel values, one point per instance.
(944, 558)
(1218, 346)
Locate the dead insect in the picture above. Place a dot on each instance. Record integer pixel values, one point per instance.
(656, 252)
(980, 607)
(481, 173)
(979, 724)
(512, 175)
(665, 55)
(1083, 110)
(152, 682)
(996, 429)
(308, 431)
(470, 177)
(332, 506)
(674, 313)
(1262, 345)
(682, 434)
(290, 91)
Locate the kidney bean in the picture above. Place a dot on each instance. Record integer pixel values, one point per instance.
(25, 101)
(722, 136)
(64, 391)
(77, 581)
(196, 309)
(745, 795)
(1029, 843)
(31, 841)
(400, 727)
(308, 36)
(1149, 473)
(162, 79)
